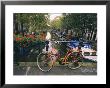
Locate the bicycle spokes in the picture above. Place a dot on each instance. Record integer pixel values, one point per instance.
(44, 62)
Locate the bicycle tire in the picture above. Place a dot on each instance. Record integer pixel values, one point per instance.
(43, 62)
(75, 64)
(71, 65)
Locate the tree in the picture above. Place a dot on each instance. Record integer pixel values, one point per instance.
(30, 21)
(38, 21)
(80, 23)
(56, 23)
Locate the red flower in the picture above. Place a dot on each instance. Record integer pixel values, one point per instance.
(31, 36)
(18, 39)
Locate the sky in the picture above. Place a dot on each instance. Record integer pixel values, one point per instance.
(53, 15)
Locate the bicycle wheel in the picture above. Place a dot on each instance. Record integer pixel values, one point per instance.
(44, 63)
(75, 64)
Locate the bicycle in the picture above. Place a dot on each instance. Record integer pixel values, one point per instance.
(73, 59)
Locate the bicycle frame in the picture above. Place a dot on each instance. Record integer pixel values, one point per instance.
(69, 52)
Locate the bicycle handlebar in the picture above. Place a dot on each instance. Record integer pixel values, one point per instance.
(62, 41)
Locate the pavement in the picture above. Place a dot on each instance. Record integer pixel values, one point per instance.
(86, 69)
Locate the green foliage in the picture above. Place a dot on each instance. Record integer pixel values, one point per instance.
(57, 23)
(32, 21)
(80, 21)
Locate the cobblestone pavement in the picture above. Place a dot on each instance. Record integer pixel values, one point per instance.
(57, 70)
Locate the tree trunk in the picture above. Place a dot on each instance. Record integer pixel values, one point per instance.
(15, 24)
(22, 29)
(92, 34)
(21, 24)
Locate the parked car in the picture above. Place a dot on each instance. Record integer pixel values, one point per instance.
(89, 54)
